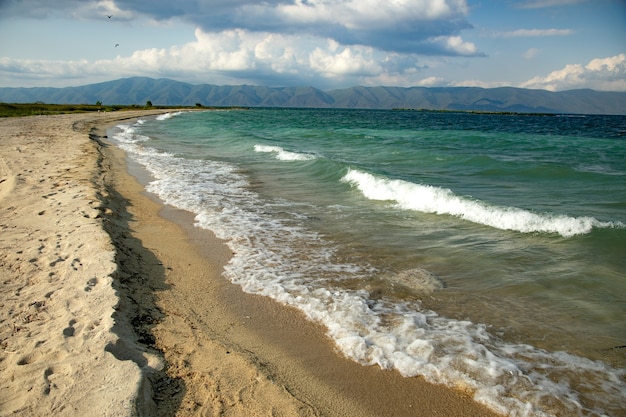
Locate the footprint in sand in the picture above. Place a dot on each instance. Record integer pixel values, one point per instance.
(70, 330)
(54, 373)
(59, 259)
(76, 264)
(28, 359)
(46, 377)
(91, 283)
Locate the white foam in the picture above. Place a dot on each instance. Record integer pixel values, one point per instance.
(282, 154)
(599, 169)
(166, 116)
(128, 134)
(429, 199)
(417, 279)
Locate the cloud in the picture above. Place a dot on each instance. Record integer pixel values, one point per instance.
(535, 33)
(432, 81)
(90, 9)
(232, 56)
(39, 72)
(407, 26)
(350, 61)
(606, 74)
(541, 4)
(455, 45)
(531, 53)
(403, 26)
(274, 42)
(479, 83)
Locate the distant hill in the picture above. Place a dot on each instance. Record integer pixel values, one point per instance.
(165, 92)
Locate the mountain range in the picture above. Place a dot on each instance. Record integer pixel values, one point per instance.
(166, 92)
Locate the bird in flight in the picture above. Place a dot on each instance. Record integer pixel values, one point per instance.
(109, 16)
(117, 44)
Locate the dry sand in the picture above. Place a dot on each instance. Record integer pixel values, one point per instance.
(112, 304)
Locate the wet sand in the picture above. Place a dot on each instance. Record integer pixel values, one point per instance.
(113, 303)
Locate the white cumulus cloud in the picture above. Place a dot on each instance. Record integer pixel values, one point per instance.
(432, 81)
(456, 45)
(350, 61)
(606, 74)
(230, 56)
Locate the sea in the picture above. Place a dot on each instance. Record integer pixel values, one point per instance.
(484, 252)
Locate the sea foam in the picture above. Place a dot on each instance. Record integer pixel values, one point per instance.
(430, 199)
(128, 134)
(282, 154)
(166, 116)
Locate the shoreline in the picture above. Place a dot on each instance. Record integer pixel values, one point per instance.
(199, 343)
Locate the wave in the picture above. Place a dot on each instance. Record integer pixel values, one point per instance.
(128, 134)
(437, 200)
(282, 154)
(168, 115)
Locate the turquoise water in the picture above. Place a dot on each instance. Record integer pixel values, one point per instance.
(480, 251)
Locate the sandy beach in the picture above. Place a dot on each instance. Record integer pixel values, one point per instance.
(112, 304)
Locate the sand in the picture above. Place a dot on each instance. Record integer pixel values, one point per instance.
(112, 304)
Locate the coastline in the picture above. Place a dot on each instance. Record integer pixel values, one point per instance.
(186, 339)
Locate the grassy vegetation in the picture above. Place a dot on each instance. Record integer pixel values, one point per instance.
(30, 109)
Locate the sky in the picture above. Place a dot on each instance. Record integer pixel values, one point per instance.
(541, 44)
